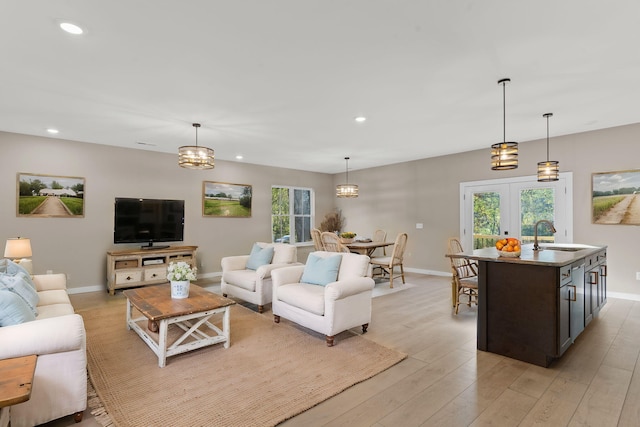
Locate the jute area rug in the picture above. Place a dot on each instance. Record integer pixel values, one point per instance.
(271, 372)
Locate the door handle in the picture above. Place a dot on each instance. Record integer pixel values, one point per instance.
(603, 270)
(594, 277)
(574, 293)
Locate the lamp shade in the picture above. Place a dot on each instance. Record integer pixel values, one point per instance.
(194, 157)
(18, 247)
(347, 190)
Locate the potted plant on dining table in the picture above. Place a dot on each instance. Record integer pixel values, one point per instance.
(347, 237)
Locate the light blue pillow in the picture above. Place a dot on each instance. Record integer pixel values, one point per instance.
(259, 256)
(11, 268)
(20, 285)
(13, 309)
(321, 271)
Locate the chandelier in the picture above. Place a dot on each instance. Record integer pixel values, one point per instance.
(347, 190)
(195, 157)
(548, 171)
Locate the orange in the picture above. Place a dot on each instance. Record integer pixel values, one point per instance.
(516, 248)
(499, 245)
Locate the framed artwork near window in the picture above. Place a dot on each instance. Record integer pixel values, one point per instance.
(223, 199)
(615, 197)
(50, 196)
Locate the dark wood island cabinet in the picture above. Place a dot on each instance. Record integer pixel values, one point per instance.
(532, 308)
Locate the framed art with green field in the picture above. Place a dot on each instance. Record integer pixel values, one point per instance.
(223, 199)
(616, 197)
(50, 196)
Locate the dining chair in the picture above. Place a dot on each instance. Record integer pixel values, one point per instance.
(465, 276)
(317, 240)
(380, 236)
(331, 242)
(388, 263)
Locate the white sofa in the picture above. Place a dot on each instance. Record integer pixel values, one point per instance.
(254, 286)
(330, 309)
(58, 337)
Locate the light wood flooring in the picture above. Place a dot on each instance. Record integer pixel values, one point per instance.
(445, 381)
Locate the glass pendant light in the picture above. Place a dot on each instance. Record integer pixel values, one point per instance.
(347, 190)
(504, 155)
(194, 157)
(548, 171)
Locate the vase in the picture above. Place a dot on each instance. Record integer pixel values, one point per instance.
(179, 289)
(346, 241)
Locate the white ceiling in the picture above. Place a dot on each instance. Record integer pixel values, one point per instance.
(280, 81)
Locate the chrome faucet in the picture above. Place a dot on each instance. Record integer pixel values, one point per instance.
(536, 247)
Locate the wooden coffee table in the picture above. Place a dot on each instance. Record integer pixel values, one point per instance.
(16, 377)
(190, 314)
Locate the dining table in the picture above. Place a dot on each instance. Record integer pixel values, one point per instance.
(367, 248)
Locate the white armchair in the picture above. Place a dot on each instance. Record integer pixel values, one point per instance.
(339, 305)
(254, 286)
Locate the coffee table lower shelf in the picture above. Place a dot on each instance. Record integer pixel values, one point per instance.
(190, 324)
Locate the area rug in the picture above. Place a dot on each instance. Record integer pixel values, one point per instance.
(271, 372)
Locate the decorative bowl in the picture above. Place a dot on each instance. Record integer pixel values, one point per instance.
(509, 254)
(346, 241)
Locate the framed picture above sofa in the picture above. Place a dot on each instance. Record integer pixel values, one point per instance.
(50, 196)
(615, 197)
(223, 199)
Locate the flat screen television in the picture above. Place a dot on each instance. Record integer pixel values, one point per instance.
(148, 221)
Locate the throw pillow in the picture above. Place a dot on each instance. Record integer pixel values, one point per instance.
(321, 271)
(20, 285)
(13, 309)
(11, 268)
(259, 256)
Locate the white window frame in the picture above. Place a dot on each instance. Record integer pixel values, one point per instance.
(508, 186)
(292, 215)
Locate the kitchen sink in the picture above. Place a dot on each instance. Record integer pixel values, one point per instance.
(565, 247)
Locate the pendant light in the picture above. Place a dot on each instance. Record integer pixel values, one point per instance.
(504, 155)
(347, 190)
(548, 171)
(194, 157)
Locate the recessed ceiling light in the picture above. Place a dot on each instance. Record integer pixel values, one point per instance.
(71, 28)
(239, 157)
(360, 119)
(53, 131)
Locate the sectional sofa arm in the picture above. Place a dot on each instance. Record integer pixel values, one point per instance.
(345, 288)
(238, 262)
(48, 282)
(45, 336)
(287, 275)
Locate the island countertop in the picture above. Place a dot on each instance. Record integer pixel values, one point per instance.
(554, 255)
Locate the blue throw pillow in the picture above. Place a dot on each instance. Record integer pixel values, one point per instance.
(259, 256)
(321, 271)
(13, 309)
(20, 284)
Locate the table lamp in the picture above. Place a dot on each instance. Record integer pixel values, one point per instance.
(19, 248)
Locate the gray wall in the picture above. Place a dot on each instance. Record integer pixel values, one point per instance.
(393, 197)
(396, 197)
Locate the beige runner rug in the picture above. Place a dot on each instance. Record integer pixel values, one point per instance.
(271, 372)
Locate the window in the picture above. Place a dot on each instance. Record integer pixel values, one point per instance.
(493, 209)
(291, 214)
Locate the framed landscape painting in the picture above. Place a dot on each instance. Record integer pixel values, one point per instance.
(50, 196)
(616, 197)
(223, 199)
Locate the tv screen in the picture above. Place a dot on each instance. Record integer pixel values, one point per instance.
(148, 221)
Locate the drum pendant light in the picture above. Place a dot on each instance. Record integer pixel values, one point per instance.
(194, 157)
(347, 190)
(504, 155)
(548, 171)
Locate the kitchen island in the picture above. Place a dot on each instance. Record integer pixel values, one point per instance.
(533, 307)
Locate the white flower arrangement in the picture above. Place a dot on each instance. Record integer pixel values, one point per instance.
(180, 271)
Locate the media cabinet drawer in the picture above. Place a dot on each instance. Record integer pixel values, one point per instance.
(126, 263)
(128, 276)
(157, 273)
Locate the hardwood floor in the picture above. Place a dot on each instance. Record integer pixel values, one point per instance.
(445, 381)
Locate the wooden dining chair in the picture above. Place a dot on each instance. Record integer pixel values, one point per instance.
(380, 236)
(331, 242)
(388, 263)
(317, 240)
(464, 280)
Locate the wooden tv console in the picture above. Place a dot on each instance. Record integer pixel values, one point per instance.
(142, 267)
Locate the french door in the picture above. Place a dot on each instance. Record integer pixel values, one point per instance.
(493, 209)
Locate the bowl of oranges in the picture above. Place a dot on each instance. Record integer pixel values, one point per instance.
(508, 247)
